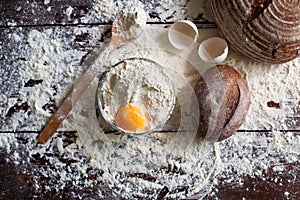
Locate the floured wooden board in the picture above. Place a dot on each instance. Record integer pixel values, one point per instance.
(43, 46)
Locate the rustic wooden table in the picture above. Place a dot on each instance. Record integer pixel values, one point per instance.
(17, 179)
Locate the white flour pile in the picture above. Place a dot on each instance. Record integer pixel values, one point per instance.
(130, 22)
(135, 82)
(144, 167)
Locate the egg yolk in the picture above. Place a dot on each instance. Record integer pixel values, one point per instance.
(131, 118)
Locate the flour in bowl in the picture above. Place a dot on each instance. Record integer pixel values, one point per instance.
(142, 83)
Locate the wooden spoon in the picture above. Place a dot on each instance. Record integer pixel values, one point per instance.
(78, 88)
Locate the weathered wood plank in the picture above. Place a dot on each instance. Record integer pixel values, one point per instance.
(26, 181)
(40, 12)
(17, 181)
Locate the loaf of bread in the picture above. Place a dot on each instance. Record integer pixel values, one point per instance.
(265, 31)
(224, 99)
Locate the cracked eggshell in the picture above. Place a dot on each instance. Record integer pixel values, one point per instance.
(213, 50)
(182, 34)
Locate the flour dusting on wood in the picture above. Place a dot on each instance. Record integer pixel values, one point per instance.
(160, 163)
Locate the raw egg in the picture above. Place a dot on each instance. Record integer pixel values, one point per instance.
(131, 118)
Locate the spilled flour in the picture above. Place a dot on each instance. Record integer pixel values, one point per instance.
(108, 9)
(146, 166)
(159, 165)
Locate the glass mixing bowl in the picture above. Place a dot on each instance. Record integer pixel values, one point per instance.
(139, 82)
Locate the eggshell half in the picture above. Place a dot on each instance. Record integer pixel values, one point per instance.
(182, 34)
(213, 50)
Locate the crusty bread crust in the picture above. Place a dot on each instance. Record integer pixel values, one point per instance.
(224, 99)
